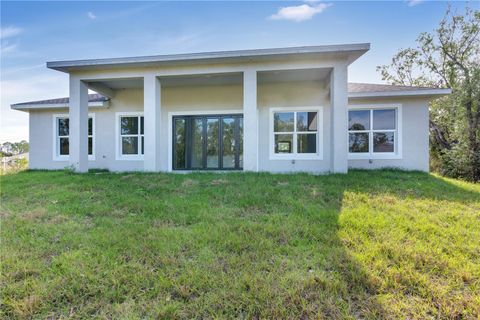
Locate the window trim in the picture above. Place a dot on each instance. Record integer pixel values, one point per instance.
(55, 147)
(295, 155)
(397, 154)
(118, 137)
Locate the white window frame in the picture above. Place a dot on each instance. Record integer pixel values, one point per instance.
(56, 139)
(295, 155)
(397, 148)
(118, 137)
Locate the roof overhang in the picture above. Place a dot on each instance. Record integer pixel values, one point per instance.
(350, 52)
(426, 93)
(47, 106)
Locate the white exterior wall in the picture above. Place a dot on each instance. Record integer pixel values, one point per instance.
(179, 99)
(229, 98)
(414, 131)
(292, 95)
(42, 135)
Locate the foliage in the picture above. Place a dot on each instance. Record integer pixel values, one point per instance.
(448, 57)
(13, 165)
(370, 245)
(14, 148)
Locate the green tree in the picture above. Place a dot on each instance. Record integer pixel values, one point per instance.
(20, 147)
(448, 57)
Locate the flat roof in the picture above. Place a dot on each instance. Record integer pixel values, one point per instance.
(354, 50)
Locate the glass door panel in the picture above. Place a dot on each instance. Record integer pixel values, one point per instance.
(228, 135)
(197, 143)
(213, 143)
(180, 161)
(240, 142)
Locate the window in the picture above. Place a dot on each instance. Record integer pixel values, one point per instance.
(130, 128)
(373, 132)
(62, 137)
(295, 134)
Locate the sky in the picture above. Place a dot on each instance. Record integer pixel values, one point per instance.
(33, 33)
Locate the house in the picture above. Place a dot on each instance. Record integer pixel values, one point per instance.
(277, 110)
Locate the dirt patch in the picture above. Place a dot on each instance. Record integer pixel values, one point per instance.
(250, 211)
(218, 182)
(4, 214)
(57, 219)
(189, 183)
(27, 306)
(23, 274)
(35, 214)
(314, 192)
(184, 293)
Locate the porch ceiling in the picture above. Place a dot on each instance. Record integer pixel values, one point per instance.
(219, 79)
(117, 84)
(293, 75)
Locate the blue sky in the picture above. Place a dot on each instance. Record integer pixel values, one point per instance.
(35, 32)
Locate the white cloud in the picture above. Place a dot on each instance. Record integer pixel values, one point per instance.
(8, 32)
(15, 70)
(7, 47)
(91, 15)
(413, 3)
(300, 13)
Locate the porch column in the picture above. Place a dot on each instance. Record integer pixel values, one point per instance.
(250, 121)
(339, 119)
(152, 118)
(78, 125)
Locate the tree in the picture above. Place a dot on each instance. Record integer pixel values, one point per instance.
(21, 147)
(448, 57)
(9, 148)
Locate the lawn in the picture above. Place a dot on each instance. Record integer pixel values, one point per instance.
(382, 244)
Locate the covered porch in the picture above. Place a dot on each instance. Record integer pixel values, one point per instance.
(242, 97)
(249, 84)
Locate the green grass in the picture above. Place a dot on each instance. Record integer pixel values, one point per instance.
(382, 244)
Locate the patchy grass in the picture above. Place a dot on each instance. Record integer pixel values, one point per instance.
(383, 244)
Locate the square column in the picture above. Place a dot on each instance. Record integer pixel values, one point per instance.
(152, 121)
(339, 119)
(250, 121)
(78, 126)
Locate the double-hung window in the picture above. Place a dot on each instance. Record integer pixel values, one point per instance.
(130, 136)
(295, 134)
(61, 150)
(374, 132)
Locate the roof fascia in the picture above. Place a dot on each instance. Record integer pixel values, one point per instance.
(406, 93)
(352, 51)
(41, 106)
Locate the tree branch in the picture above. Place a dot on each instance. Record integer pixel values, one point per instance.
(439, 136)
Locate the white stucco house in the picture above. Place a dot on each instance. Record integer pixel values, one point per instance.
(277, 110)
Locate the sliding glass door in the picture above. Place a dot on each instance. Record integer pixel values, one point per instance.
(213, 142)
